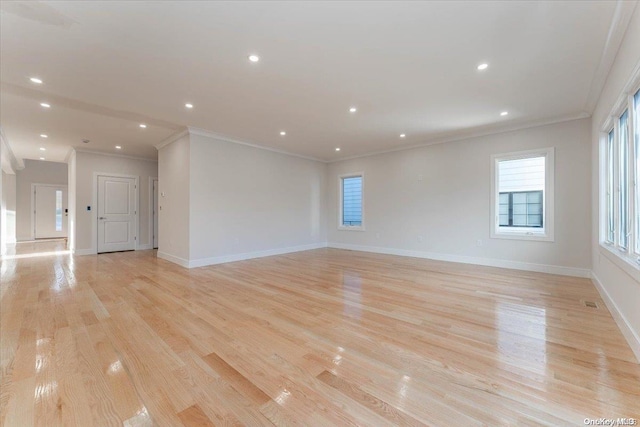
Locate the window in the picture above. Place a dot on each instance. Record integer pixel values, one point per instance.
(351, 202)
(620, 194)
(58, 210)
(522, 195)
(623, 194)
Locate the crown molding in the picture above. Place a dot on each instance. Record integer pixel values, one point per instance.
(224, 138)
(67, 157)
(457, 137)
(122, 156)
(172, 138)
(617, 30)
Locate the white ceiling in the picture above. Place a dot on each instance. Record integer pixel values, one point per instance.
(409, 67)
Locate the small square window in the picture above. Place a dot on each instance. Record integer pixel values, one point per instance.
(522, 195)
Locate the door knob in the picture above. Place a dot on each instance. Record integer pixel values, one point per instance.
(103, 217)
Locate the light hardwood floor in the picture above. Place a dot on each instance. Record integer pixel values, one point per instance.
(324, 337)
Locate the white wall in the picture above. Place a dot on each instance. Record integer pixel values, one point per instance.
(34, 172)
(8, 165)
(8, 207)
(619, 283)
(435, 201)
(173, 201)
(236, 201)
(87, 165)
(246, 200)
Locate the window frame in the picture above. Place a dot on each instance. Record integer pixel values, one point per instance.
(546, 232)
(623, 247)
(341, 226)
(634, 157)
(609, 157)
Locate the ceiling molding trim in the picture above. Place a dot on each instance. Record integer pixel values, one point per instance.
(13, 164)
(617, 30)
(217, 136)
(67, 158)
(122, 156)
(471, 135)
(172, 138)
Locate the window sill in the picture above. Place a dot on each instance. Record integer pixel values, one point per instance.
(350, 228)
(626, 263)
(522, 235)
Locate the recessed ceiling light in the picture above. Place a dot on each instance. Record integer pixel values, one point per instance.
(142, 125)
(118, 147)
(337, 148)
(483, 66)
(36, 80)
(504, 113)
(188, 105)
(41, 158)
(283, 133)
(43, 149)
(402, 135)
(353, 109)
(254, 58)
(45, 105)
(42, 135)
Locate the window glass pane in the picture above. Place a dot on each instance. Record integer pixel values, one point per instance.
(623, 200)
(352, 201)
(523, 180)
(58, 210)
(519, 198)
(534, 209)
(534, 220)
(636, 125)
(610, 187)
(521, 174)
(534, 197)
(519, 208)
(519, 220)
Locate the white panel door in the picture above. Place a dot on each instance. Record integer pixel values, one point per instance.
(50, 216)
(116, 214)
(155, 214)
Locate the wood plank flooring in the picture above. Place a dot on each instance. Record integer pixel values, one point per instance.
(320, 338)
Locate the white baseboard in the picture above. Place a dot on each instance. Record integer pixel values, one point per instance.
(174, 259)
(250, 255)
(515, 265)
(145, 247)
(625, 327)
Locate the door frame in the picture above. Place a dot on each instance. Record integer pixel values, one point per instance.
(94, 207)
(151, 207)
(33, 205)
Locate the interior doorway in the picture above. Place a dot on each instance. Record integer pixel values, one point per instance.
(117, 213)
(50, 212)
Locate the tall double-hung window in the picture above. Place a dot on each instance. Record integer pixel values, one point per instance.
(620, 179)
